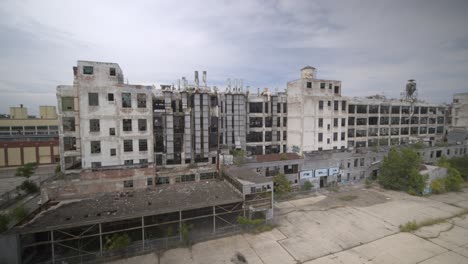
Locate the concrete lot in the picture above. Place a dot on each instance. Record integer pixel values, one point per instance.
(327, 229)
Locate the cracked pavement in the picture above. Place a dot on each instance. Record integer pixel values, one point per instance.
(325, 229)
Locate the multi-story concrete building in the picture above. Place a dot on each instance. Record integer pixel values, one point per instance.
(460, 111)
(104, 122)
(377, 121)
(29, 139)
(317, 113)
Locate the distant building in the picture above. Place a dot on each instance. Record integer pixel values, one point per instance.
(460, 111)
(29, 139)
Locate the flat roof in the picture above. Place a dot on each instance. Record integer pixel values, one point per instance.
(277, 157)
(131, 204)
(246, 175)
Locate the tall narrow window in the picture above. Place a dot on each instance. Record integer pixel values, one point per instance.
(141, 98)
(320, 137)
(142, 145)
(320, 105)
(93, 99)
(127, 125)
(141, 124)
(320, 122)
(126, 100)
(128, 145)
(94, 125)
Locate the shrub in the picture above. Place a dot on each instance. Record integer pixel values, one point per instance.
(253, 225)
(460, 164)
(438, 186)
(400, 171)
(453, 181)
(26, 170)
(282, 185)
(29, 187)
(409, 226)
(185, 233)
(307, 186)
(19, 213)
(238, 156)
(4, 221)
(117, 241)
(57, 169)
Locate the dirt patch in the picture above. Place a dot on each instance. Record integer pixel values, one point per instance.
(356, 197)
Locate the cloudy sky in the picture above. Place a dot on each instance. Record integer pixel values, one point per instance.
(371, 46)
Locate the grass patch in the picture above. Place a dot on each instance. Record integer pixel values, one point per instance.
(413, 225)
(334, 188)
(347, 197)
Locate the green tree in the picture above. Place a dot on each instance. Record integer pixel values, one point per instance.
(117, 241)
(307, 186)
(460, 164)
(26, 170)
(400, 171)
(19, 213)
(4, 221)
(282, 185)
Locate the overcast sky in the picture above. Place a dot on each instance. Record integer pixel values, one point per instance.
(371, 46)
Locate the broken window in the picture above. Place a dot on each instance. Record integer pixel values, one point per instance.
(423, 130)
(361, 133)
(335, 136)
(361, 109)
(268, 136)
(320, 105)
(141, 98)
(395, 109)
(373, 109)
(126, 100)
(404, 120)
(93, 99)
(95, 147)
(88, 70)
(127, 125)
(68, 104)
(343, 135)
(414, 120)
(423, 120)
(143, 161)
(361, 162)
(404, 131)
(351, 121)
(395, 120)
(309, 84)
(68, 124)
(95, 165)
(337, 89)
(112, 71)
(405, 110)
(69, 143)
(384, 109)
(278, 108)
(440, 130)
(395, 131)
(335, 122)
(351, 133)
(113, 152)
(373, 132)
(440, 120)
(383, 131)
(343, 106)
(255, 122)
(278, 121)
(141, 124)
(322, 85)
(285, 135)
(112, 131)
(320, 137)
(320, 122)
(254, 136)
(256, 107)
(143, 145)
(329, 103)
(352, 109)
(432, 130)
(110, 97)
(128, 145)
(335, 105)
(187, 178)
(128, 184)
(268, 121)
(94, 125)
(162, 180)
(414, 130)
(343, 122)
(285, 121)
(361, 121)
(373, 120)
(149, 181)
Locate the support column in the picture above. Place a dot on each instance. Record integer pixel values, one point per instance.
(52, 245)
(180, 225)
(22, 154)
(143, 231)
(100, 239)
(214, 220)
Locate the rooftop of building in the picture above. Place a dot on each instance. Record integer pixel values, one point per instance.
(132, 204)
(277, 157)
(380, 99)
(246, 175)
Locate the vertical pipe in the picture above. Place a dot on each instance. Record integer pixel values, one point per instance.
(214, 220)
(143, 231)
(52, 245)
(100, 239)
(180, 225)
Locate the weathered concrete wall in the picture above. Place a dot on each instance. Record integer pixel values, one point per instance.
(460, 111)
(9, 249)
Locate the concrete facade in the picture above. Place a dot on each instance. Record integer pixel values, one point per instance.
(460, 111)
(317, 114)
